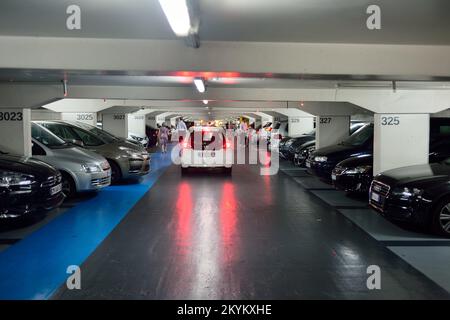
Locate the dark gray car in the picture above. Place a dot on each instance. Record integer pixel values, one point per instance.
(127, 160)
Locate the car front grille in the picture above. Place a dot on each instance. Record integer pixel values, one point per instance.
(52, 181)
(101, 182)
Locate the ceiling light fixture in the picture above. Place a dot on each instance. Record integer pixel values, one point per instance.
(200, 85)
(205, 101)
(177, 14)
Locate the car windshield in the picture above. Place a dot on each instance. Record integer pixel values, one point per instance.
(360, 137)
(103, 135)
(47, 138)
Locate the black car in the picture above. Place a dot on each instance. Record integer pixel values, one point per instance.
(302, 152)
(418, 194)
(321, 162)
(355, 174)
(27, 186)
(288, 146)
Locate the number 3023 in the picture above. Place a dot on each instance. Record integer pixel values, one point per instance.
(390, 121)
(11, 116)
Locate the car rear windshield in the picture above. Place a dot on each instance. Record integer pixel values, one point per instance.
(47, 138)
(210, 140)
(360, 137)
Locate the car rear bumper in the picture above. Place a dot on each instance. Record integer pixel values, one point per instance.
(220, 159)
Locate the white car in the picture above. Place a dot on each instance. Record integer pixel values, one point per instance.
(142, 139)
(207, 147)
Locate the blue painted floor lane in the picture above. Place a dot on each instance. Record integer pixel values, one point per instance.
(36, 266)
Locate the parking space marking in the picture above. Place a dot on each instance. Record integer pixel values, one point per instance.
(35, 267)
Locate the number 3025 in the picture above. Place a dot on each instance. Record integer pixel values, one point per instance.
(11, 116)
(390, 121)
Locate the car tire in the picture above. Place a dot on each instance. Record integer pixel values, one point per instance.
(440, 223)
(227, 171)
(184, 171)
(68, 185)
(116, 173)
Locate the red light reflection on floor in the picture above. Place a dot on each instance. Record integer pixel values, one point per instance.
(184, 207)
(228, 219)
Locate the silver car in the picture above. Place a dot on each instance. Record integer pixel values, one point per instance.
(81, 169)
(127, 159)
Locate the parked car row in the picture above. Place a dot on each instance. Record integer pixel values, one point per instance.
(417, 194)
(297, 149)
(67, 158)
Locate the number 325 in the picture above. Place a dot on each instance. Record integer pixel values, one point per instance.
(390, 121)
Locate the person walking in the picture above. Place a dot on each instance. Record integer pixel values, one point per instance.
(163, 137)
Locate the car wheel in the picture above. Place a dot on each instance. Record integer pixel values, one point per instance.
(116, 173)
(68, 185)
(184, 171)
(227, 171)
(441, 218)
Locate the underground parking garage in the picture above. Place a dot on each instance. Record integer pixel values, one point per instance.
(224, 150)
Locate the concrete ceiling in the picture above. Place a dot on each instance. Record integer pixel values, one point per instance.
(331, 21)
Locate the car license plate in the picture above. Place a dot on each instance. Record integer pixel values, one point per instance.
(333, 177)
(54, 190)
(375, 197)
(207, 154)
(308, 164)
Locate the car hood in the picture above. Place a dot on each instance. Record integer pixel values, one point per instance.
(353, 162)
(117, 148)
(79, 154)
(340, 152)
(26, 165)
(417, 175)
(301, 140)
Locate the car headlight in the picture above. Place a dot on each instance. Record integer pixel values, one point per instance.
(320, 159)
(91, 168)
(407, 192)
(131, 152)
(360, 169)
(10, 178)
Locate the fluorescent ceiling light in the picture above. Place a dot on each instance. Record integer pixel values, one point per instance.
(200, 85)
(177, 14)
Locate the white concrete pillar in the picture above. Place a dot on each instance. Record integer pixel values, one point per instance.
(264, 117)
(116, 124)
(173, 121)
(85, 117)
(331, 130)
(400, 140)
(150, 121)
(300, 125)
(15, 130)
(136, 123)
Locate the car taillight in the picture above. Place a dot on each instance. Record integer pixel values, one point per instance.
(227, 144)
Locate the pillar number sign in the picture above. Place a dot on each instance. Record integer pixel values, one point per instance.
(324, 120)
(11, 116)
(84, 116)
(390, 120)
(118, 117)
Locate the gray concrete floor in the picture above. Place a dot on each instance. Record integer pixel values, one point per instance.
(208, 236)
